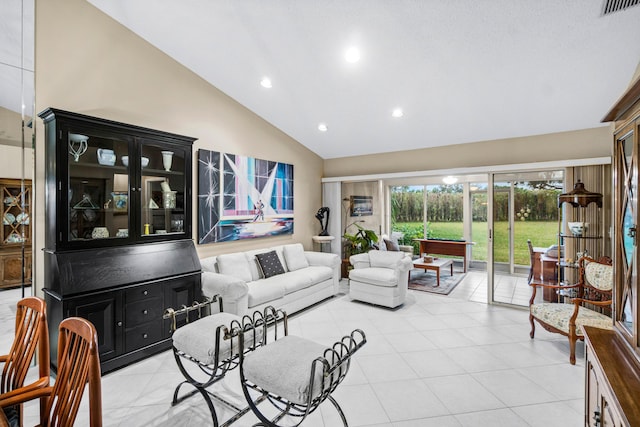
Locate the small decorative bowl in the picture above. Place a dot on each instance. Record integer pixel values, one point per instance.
(578, 228)
(144, 161)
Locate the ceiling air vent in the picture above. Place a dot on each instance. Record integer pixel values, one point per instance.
(611, 6)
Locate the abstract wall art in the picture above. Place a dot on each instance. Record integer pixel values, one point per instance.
(242, 197)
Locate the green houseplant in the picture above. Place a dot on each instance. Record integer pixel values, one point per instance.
(363, 240)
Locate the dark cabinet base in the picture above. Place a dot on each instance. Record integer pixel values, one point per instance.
(130, 328)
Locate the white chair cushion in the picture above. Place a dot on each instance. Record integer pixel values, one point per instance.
(375, 276)
(236, 265)
(558, 315)
(283, 367)
(294, 256)
(198, 339)
(385, 259)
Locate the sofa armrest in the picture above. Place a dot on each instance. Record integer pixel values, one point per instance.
(404, 265)
(234, 291)
(322, 258)
(406, 248)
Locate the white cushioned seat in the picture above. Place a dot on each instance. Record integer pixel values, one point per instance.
(375, 275)
(284, 368)
(558, 315)
(197, 339)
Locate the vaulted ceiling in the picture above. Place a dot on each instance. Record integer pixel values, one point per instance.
(461, 71)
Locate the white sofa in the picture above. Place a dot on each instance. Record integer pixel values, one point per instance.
(309, 277)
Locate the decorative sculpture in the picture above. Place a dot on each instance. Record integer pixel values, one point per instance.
(323, 217)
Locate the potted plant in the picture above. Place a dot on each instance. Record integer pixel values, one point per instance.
(363, 240)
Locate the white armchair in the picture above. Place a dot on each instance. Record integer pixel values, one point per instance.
(380, 277)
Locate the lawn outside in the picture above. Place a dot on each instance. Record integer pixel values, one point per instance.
(541, 234)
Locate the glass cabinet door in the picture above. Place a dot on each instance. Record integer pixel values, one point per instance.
(627, 243)
(162, 189)
(98, 187)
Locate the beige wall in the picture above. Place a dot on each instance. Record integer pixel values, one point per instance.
(580, 144)
(87, 63)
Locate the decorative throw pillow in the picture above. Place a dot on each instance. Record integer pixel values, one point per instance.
(270, 264)
(295, 257)
(391, 245)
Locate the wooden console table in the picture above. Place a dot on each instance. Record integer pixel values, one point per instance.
(445, 247)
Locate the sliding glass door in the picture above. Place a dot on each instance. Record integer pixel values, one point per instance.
(523, 207)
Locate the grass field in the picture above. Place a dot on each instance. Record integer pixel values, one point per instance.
(540, 233)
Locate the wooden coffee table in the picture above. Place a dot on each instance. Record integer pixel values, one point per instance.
(435, 265)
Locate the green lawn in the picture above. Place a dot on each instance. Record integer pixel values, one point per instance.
(540, 233)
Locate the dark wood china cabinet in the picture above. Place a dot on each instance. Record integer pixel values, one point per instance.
(613, 357)
(118, 246)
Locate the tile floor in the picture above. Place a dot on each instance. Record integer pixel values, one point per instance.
(436, 361)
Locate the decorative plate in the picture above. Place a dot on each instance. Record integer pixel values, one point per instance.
(23, 218)
(8, 219)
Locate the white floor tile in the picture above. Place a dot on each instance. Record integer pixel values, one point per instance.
(436, 361)
(462, 393)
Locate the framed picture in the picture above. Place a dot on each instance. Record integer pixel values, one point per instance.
(361, 205)
(120, 202)
(242, 197)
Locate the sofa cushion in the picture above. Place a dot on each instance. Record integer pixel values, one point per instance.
(300, 279)
(283, 367)
(269, 264)
(236, 265)
(265, 290)
(386, 259)
(375, 276)
(294, 255)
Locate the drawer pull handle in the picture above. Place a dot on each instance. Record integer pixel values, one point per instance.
(145, 336)
(145, 312)
(145, 292)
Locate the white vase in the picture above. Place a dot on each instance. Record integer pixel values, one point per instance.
(167, 157)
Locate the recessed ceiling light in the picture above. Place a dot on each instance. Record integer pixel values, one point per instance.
(322, 127)
(352, 55)
(449, 180)
(266, 82)
(397, 112)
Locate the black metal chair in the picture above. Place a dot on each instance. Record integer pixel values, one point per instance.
(209, 344)
(294, 374)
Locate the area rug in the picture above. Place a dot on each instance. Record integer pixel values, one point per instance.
(426, 281)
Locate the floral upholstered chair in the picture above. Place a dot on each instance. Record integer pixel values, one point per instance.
(590, 307)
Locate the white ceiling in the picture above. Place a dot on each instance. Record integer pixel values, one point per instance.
(462, 70)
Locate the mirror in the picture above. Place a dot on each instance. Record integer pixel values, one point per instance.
(16, 141)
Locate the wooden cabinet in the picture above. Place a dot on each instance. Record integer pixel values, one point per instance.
(15, 233)
(612, 381)
(613, 357)
(118, 232)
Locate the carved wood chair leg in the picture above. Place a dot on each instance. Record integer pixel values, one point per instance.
(533, 326)
(572, 347)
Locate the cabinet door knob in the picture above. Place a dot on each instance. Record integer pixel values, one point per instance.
(119, 323)
(145, 292)
(145, 336)
(145, 311)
